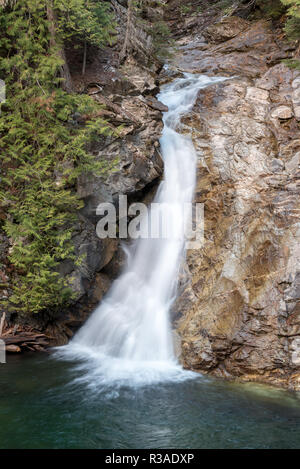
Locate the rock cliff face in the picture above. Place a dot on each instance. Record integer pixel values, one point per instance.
(238, 311)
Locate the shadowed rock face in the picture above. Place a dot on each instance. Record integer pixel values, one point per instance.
(250, 50)
(134, 155)
(238, 313)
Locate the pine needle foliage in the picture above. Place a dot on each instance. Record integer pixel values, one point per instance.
(88, 20)
(292, 27)
(43, 146)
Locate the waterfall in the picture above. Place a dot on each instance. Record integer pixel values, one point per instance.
(129, 336)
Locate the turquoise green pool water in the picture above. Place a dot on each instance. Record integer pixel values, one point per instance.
(41, 407)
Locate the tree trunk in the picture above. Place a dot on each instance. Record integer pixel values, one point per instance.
(125, 47)
(64, 69)
(84, 58)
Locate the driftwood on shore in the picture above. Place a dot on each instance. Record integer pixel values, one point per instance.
(17, 339)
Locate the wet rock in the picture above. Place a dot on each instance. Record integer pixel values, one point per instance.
(99, 288)
(168, 74)
(155, 104)
(115, 266)
(91, 252)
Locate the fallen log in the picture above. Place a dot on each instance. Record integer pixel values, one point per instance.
(23, 339)
(18, 342)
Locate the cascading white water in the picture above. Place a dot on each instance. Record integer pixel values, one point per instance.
(129, 337)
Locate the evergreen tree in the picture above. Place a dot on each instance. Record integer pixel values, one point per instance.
(39, 139)
(293, 23)
(89, 22)
(130, 10)
(137, 14)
